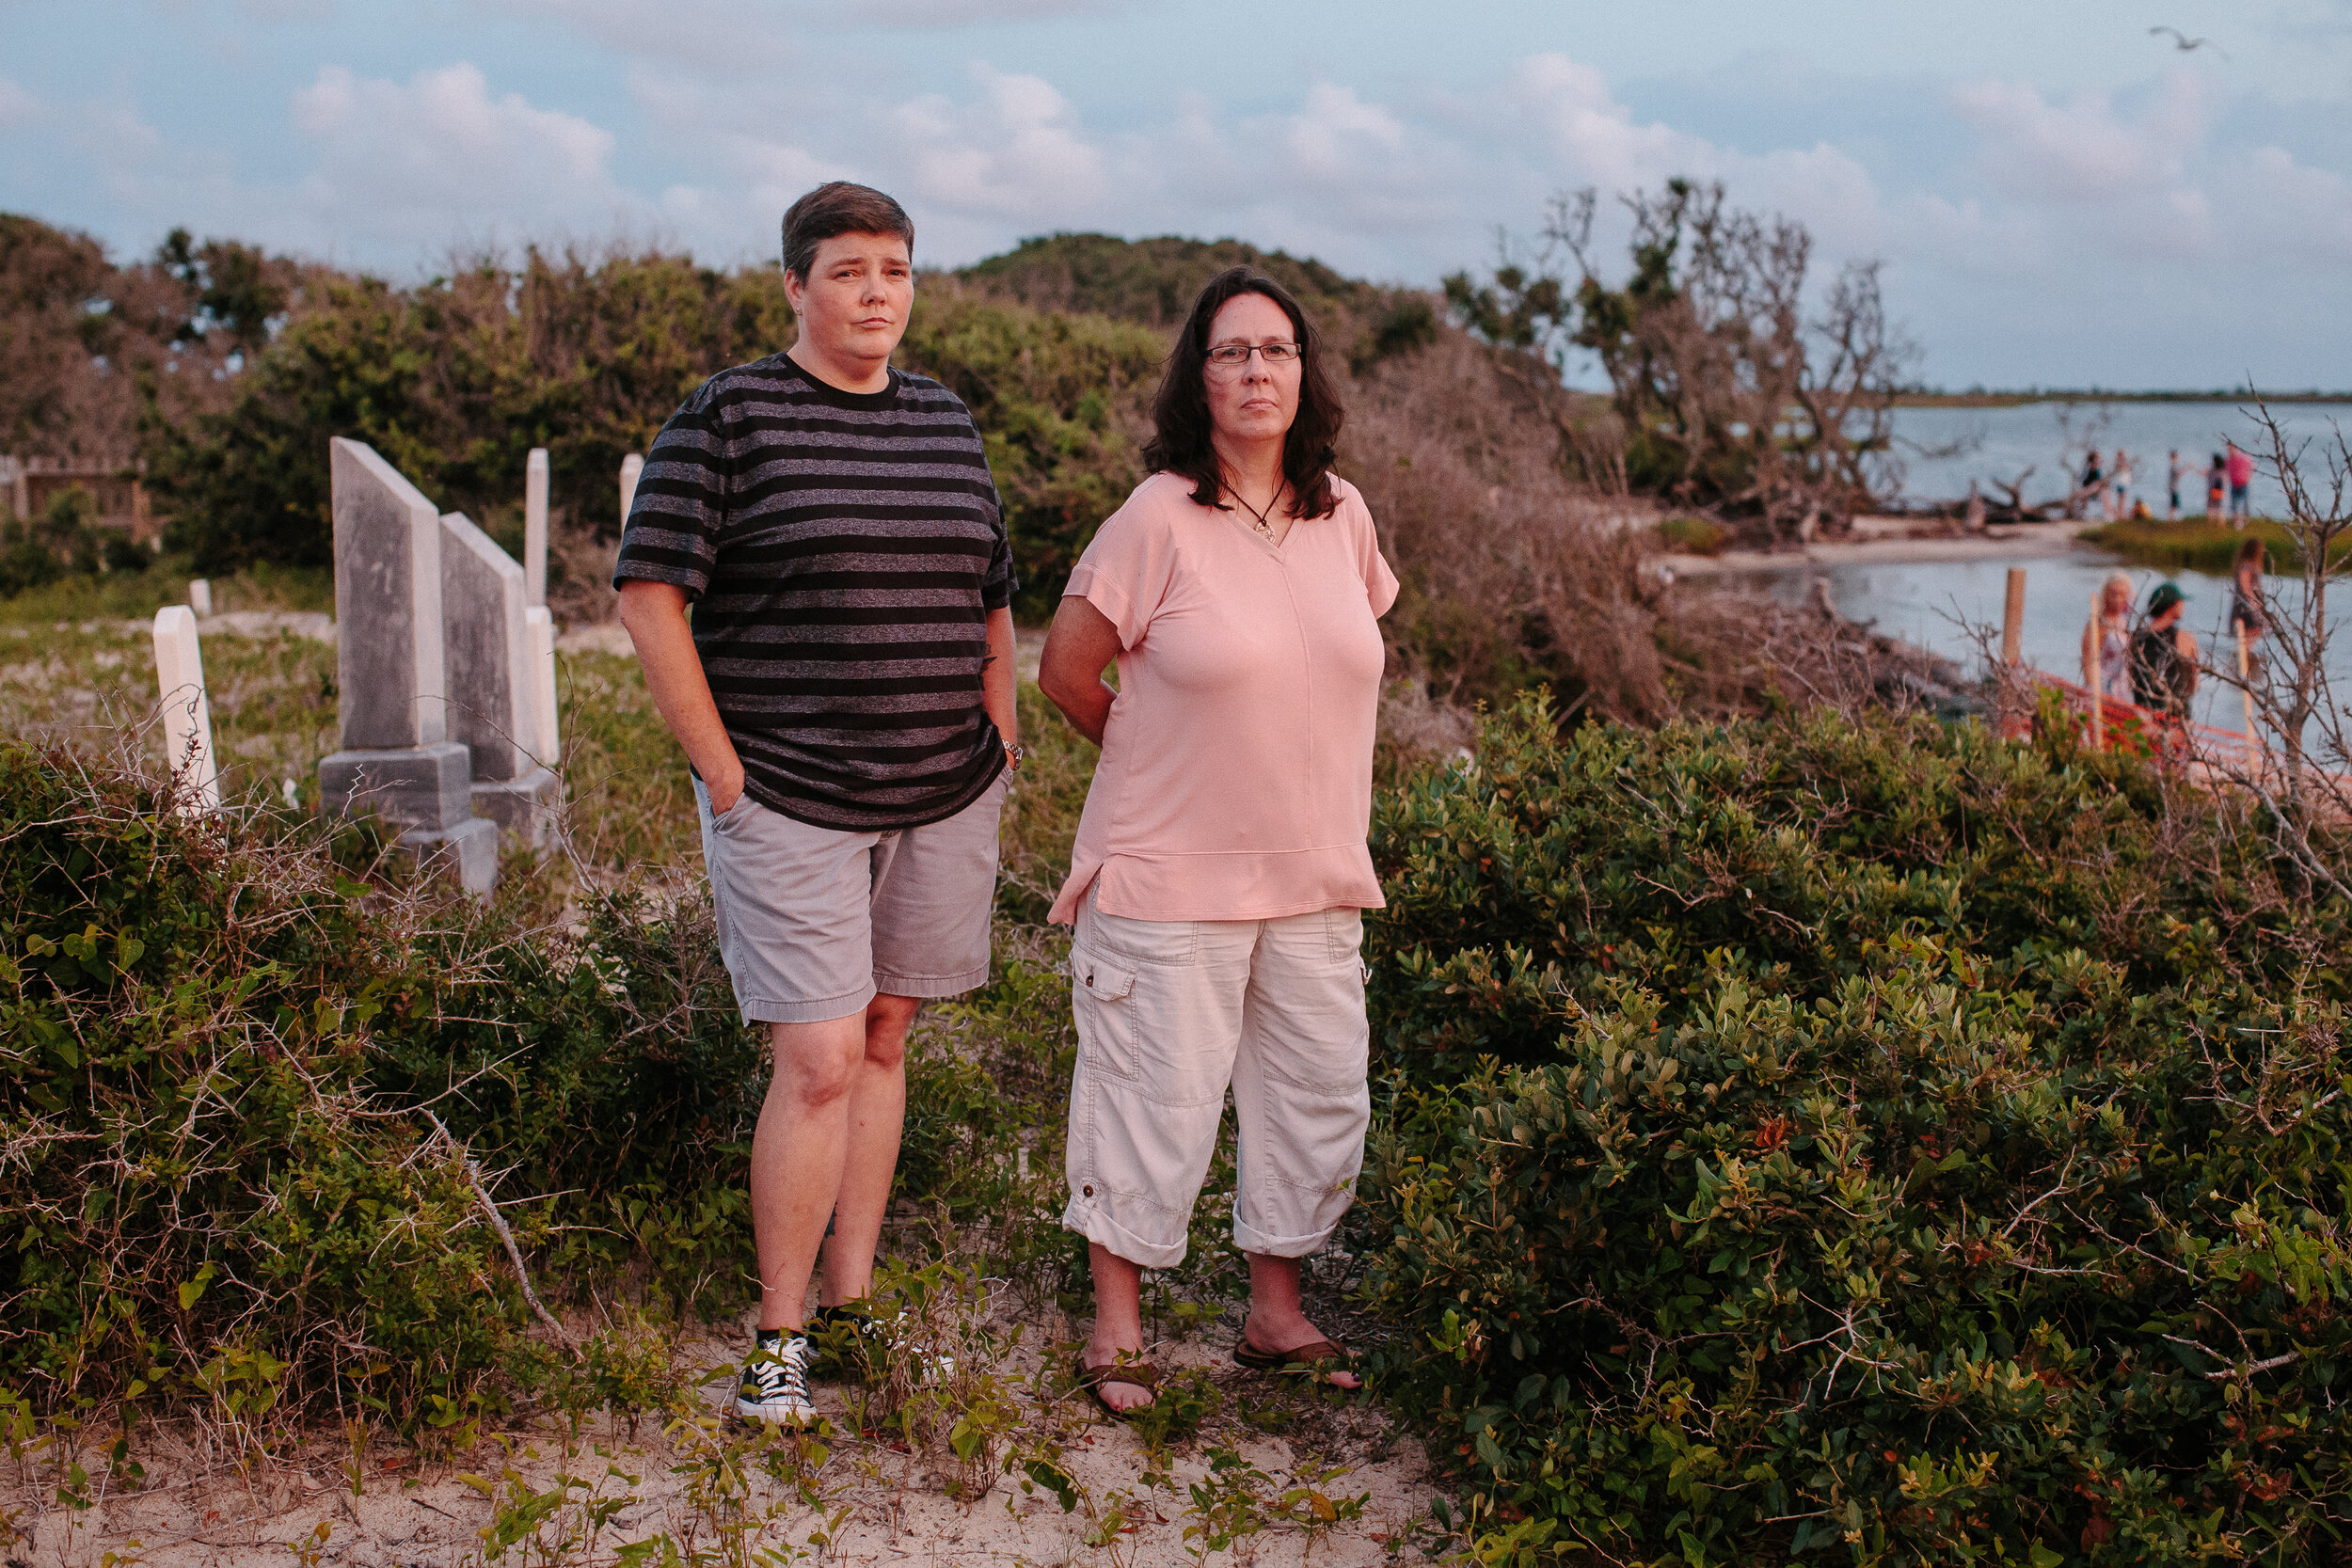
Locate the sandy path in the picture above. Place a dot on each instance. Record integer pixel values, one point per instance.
(878, 1503)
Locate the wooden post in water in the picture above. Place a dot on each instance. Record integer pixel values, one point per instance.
(2094, 665)
(2013, 618)
(2246, 691)
(2012, 647)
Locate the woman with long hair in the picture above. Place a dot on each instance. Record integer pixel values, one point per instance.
(2108, 639)
(1220, 867)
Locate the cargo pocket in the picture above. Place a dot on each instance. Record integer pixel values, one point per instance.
(1103, 997)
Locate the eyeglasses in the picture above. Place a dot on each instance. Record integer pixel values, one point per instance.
(1232, 355)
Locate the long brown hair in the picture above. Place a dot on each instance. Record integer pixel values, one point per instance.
(1180, 443)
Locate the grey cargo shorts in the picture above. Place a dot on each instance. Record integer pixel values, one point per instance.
(813, 922)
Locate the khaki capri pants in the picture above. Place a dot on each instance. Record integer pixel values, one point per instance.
(1169, 1013)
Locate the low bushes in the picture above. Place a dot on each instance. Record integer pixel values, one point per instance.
(230, 1068)
(1812, 1142)
(2194, 544)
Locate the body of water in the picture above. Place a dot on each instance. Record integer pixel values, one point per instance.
(2001, 443)
(1942, 605)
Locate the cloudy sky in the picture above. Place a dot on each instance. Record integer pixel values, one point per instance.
(2061, 199)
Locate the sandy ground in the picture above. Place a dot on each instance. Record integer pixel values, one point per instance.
(388, 1507)
(1886, 546)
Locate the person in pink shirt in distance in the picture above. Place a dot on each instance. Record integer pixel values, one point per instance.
(2241, 483)
(1220, 868)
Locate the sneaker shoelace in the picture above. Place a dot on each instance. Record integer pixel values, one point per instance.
(896, 1334)
(778, 1372)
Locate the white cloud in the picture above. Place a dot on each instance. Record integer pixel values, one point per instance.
(2019, 219)
(17, 107)
(438, 159)
(2310, 210)
(1593, 139)
(712, 37)
(2083, 151)
(949, 13)
(1018, 154)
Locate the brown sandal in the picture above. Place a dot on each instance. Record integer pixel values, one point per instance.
(1320, 1357)
(1140, 1374)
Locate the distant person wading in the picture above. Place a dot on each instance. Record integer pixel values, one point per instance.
(2241, 475)
(2164, 656)
(1220, 869)
(844, 693)
(2112, 655)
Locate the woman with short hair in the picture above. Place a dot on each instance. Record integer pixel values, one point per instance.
(1220, 867)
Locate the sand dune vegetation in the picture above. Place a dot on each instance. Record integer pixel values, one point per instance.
(1809, 1126)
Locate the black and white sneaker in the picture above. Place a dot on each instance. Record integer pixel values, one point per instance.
(855, 1342)
(775, 1383)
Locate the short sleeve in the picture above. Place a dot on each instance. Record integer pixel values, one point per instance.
(1126, 572)
(1379, 582)
(1001, 585)
(673, 528)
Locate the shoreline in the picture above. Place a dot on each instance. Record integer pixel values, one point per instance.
(2010, 542)
(2024, 400)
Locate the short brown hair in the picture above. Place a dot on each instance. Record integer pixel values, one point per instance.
(839, 207)
(1180, 413)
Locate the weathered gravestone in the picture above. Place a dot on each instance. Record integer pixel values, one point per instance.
(494, 681)
(187, 715)
(397, 757)
(536, 526)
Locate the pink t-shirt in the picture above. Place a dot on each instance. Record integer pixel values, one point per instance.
(1235, 782)
(2241, 468)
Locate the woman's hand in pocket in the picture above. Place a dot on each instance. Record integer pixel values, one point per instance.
(725, 787)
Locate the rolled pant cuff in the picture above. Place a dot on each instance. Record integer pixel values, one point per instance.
(1250, 1238)
(930, 988)
(765, 1009)
(1115, 1239)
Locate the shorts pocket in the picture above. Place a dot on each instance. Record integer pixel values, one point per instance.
(1344, 934)
(1102, 998)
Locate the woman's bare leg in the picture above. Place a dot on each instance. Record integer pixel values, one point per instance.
(1117, 1321)
(798, 1154)
(1278, 1319)
(877, 1116)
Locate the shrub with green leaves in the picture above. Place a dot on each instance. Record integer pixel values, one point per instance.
(207, 1198)
(1812, 1140)
(242, 1085)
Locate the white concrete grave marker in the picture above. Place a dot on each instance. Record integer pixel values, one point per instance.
(397, 756)
(187, 717)
(547, 744)
(493, 685)
(536, 526)
(633, 467)
(201, 595)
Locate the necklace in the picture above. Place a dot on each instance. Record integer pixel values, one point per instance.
(1261, 520)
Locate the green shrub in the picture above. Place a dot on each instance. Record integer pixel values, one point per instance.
(1694, 535)
(1822, 1142)
(2194, 544)
(209, 1201)
(228, 1068)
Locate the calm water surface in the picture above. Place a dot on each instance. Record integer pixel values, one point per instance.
(1934, 604)
(2001, 443)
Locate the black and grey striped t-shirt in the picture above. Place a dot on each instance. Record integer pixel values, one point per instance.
(843, 551)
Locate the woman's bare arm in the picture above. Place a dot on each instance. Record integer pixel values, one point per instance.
(1082, 643)
(998, 688)
(655, 614)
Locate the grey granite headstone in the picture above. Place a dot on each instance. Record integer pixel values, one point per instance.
(397, 758)
(492, 693)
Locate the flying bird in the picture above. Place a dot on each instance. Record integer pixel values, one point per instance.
(2186, 44)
